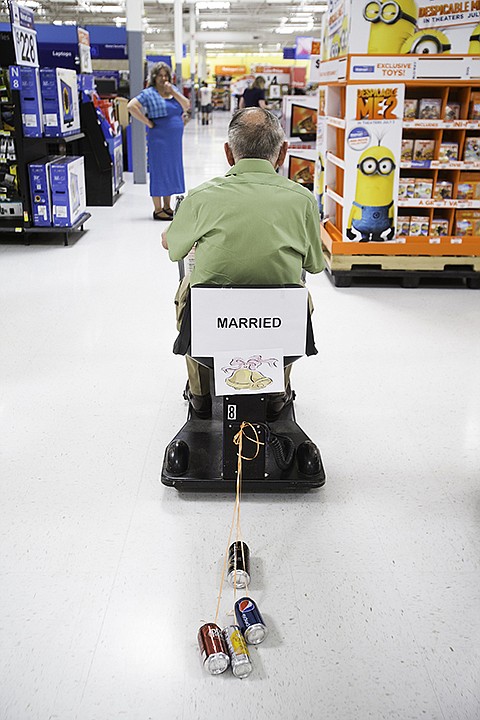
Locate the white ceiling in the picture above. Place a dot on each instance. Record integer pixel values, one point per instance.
(245, 25)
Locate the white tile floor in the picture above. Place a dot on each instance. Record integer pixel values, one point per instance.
(371, 586)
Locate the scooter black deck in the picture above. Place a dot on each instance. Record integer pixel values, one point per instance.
(205, 458)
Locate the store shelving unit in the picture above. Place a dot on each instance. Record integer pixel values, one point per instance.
(221, 93)
(410, 258)
(32, 149)
(99, 170)
(27, 150)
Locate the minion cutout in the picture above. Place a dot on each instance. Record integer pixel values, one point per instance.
(427, 42)
(392, 23)
(319, 187)
(335, 47)
(324, 41)
(372, 214)
(344, 36)
(474, 47)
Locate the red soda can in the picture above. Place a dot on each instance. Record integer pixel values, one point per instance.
(214, 651)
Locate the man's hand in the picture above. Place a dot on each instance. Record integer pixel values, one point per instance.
(164, 240)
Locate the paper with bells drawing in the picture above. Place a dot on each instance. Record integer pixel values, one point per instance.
(249, 372)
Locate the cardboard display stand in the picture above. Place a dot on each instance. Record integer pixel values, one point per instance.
(401, 147)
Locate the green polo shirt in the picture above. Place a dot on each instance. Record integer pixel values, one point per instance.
(251, 227)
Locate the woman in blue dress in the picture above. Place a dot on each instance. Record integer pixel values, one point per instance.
(161, 107)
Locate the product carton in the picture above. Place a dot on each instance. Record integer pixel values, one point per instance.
(61, 110)
(67, 179)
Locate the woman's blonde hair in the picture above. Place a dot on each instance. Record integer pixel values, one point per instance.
(156, 70)
(259, 82)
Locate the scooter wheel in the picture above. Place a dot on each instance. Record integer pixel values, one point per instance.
(308, 458)
(178, 456)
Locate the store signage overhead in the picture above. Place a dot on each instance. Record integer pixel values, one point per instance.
(24, 35)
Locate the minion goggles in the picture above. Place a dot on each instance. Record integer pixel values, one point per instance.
(372, 166)
(387, 12)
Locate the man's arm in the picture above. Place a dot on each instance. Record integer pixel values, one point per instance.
(314, 261)
(182, 234)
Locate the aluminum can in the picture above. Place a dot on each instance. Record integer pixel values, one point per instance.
(250, 621)
(239, 558)
(211, 642)
(238, 651)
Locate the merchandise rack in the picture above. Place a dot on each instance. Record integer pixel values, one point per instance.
(28, 150)
(454, 251)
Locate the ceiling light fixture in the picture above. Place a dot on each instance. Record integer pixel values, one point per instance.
(214, 25)
(213, 5)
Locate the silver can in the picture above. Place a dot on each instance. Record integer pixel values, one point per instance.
(211, 642)
(238, 651)
(238, 572)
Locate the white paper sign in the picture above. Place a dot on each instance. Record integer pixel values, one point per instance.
(249, 373)
(224, 319)
(24, 35)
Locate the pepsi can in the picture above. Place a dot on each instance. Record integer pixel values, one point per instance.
(238, 572)
(211, 642)
(250, 621)
(238, 651)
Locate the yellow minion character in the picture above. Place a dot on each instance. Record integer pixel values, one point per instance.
(392, 23)
(319, 186)
(344, 36)
(427, 42)
(474, 47)
(324, 39)
(335, 47)
(372, 214)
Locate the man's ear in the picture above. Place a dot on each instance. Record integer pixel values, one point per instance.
(281, 155)
(228, 153)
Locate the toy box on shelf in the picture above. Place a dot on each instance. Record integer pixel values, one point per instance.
(402, 145)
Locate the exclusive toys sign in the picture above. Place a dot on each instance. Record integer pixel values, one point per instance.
(373, 144)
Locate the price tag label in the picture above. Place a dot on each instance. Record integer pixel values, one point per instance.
(24, 35)
(25, 41)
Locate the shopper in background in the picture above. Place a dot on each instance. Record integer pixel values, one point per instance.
(205, 103)
(250, 227)
(254, 96)
(161, 107)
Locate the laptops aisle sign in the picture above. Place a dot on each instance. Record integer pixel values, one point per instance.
(24, 35)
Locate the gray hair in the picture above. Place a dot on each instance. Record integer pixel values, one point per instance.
(156, 70)
(255, 133)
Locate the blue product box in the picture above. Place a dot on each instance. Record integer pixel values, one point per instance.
(27, 81)
(115, 148)
(61, 112)
(86, 84)
(40, 194)
(67, 182)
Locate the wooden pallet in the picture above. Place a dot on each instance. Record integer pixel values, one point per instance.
(347, 270)
(401, 262)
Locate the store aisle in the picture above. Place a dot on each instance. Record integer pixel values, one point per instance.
(370, 586)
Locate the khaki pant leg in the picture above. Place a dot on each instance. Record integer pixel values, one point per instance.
(198, 375)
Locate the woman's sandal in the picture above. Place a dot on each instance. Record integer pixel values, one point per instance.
(162, 215)
(169, 211)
